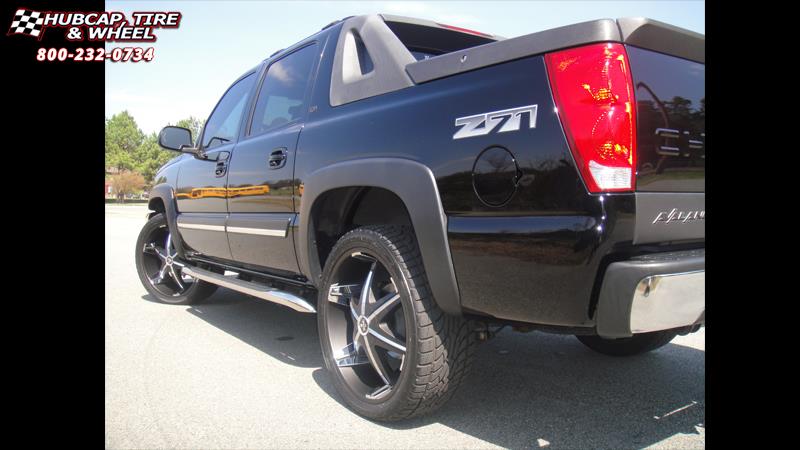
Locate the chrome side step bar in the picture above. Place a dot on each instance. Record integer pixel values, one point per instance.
(256, 290)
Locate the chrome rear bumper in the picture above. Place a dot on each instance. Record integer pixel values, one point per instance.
(661, 302)
(652, 293)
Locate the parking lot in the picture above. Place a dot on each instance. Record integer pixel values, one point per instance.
(238, 372)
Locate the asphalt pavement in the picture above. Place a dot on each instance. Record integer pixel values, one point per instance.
(239, 372)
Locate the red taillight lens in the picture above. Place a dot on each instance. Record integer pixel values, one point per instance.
(593, 91)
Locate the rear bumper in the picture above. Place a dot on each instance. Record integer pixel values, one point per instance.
(652, 293)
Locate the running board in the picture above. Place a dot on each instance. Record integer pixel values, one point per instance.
(255, 289)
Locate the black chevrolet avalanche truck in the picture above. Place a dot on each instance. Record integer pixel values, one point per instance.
(419, 186)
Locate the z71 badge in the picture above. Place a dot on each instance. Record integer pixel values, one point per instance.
(471, 125)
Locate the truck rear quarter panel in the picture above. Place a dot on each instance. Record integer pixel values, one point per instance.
(535, 257)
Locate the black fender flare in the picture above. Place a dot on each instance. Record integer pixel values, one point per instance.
(416, 186)
(165, 192)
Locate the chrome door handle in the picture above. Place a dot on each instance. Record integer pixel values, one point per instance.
(277, 158)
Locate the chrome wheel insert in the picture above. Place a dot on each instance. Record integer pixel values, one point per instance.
(161, 264)
(366, 329)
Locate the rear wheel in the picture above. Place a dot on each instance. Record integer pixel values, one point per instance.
(392, 352)
(634, 345)
(161, 270)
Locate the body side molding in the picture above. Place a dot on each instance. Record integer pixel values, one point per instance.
(416, 186)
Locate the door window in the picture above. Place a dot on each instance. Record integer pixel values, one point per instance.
(282, 95)
(223, 125)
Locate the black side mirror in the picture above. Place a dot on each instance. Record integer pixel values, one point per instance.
(179, 139)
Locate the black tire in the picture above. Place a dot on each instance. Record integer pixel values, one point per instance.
(438, 347)
(148, 261)
(634, 345)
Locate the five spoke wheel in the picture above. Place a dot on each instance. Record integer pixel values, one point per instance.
(164, 270)
(391, 352)
(369, 342)
(161, 271)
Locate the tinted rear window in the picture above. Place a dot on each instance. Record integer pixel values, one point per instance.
(424, 40)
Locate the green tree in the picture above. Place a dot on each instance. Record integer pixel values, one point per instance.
(123, 137)
(129, 149)
(150, 156)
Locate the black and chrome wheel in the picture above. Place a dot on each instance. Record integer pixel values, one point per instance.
(392, 353)
(160, 269)
(368, 333)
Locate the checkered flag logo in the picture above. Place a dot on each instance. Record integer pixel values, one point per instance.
(27, 22)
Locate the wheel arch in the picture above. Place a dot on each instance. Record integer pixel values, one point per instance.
(340, 210)
(162, 200)
(155, 205)
(413, 184)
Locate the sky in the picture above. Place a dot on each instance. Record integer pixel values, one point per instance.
(218, 41)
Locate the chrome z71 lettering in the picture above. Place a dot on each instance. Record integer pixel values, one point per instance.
(471, 125)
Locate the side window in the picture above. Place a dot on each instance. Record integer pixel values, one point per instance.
(281, 97)
(223, 125)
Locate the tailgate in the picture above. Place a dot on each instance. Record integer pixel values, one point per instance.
(670, 98)
(670, 177)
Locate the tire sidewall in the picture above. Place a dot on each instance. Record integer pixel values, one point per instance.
(364, 240)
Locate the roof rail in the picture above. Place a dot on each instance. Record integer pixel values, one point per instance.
(334, 23)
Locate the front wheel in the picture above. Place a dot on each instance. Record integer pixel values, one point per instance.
(161, 271)
(393, 354)
(634, 345)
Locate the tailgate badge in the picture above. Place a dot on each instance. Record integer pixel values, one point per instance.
(679, 216)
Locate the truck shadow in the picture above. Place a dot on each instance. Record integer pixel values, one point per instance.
(279, 332)
(522, 388)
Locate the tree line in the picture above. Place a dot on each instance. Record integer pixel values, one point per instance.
(133, 157)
